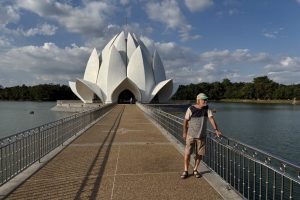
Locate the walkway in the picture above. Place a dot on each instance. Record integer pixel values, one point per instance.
(123, 156)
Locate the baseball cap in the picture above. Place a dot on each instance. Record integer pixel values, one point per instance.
(202, 96)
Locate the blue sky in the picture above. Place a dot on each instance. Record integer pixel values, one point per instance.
(48, 41)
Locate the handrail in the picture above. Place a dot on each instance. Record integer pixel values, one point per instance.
(252, 172)
(21, 150)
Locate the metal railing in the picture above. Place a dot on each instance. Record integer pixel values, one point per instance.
(19, 151)
(253, 173)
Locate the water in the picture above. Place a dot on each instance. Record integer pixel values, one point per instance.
(272, 128)
(15, 116)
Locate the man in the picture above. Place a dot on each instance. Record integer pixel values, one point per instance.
(194, 132)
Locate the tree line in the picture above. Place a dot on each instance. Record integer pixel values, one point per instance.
(260, 88)
(44, 92)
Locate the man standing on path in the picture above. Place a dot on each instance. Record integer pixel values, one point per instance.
(194, 132)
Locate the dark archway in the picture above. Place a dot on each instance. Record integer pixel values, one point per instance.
(126, 96)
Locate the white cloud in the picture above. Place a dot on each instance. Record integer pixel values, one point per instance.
(8, 14)
(288, 61)
(89, 19)
(239, 56)
(273, 34)
(181, 63)
(185, 36)
(209, 66)
(184, 66)
(168, 12)
(42, 64)
(4, 42)
(198, 5)
(284, 64)
(41, 29)
(44, 29)
(284, 70)
(237, 65)
(205, 73)
(269, 35)
(285, 77)
(298, 1)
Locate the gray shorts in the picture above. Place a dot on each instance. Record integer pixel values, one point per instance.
(190, 144)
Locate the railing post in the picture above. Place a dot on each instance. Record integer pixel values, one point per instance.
(39, 144)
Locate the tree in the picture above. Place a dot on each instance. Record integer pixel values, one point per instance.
(216, 91)
(264, 87)
(45, 92)
(261, 87)
(248, 91)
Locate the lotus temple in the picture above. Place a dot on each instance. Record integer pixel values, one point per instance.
(125, 70)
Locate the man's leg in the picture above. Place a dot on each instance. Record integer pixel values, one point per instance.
(200, 151)
(186, 161)
(187, 153)
(198, 159)
(187, 156)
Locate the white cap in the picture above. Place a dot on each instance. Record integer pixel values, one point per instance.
(202, 96)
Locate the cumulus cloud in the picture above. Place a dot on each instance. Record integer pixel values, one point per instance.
(181, 62)
(198, 5)
(205, 73)
(291, 64)
(89, 19)
(186, 36)
(284, 70)
(44, 29)
(94, 19)
(226, 57)
(42, 64)
(4, 42)
(185, 66)
(168, 12)
(8, 14)
(41, 29)
(285, 77)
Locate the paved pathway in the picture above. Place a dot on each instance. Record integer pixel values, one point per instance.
(123, 156)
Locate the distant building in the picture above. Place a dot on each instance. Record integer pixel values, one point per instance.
(124, 70)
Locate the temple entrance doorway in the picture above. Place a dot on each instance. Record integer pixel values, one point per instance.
(126, 97)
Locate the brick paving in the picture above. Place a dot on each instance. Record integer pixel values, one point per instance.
(123, 156)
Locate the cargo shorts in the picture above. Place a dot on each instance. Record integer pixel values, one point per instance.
(198, 145)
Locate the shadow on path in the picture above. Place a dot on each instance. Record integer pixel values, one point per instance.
(112, 132)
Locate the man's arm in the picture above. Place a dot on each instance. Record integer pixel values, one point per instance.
(214, 125)
(185, 128)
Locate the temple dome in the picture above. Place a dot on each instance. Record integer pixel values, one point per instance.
(124, 64)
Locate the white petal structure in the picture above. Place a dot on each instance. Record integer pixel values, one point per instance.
(124, 70)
